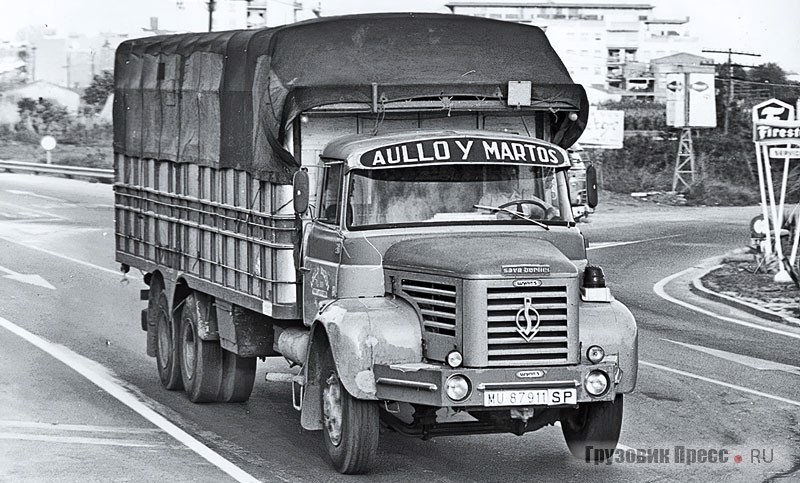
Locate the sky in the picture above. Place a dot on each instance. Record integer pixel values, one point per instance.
(767, 27)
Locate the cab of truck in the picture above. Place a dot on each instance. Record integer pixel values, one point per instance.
(450, 265)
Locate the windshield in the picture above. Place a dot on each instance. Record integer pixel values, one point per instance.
(450, 193)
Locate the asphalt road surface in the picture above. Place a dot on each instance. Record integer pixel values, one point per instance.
(718, 397)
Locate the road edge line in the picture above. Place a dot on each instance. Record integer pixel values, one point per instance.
(59, 255)
(658, 288)
(102, 378)
(722, 383)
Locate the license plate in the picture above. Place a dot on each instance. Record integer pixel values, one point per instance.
(530, 397)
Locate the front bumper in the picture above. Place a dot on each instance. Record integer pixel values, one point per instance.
(423, 383)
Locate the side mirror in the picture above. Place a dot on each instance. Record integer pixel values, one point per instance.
(591, 186)
(300, 191)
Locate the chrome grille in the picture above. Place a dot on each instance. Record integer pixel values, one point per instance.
(437, 303)
(506, 347)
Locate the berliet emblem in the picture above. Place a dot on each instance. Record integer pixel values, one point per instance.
(526, 326)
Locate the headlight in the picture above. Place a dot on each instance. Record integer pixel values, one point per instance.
(457, 387)
(595, 354)
(596, 383)
(454, 359)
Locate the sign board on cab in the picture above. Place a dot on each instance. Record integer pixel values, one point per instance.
(466, 149)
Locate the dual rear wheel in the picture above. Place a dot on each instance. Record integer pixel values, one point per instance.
(206, 371)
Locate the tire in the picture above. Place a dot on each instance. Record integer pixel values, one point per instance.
(201, 360)
(166, 347)
(350, 426)
(596, 425)
(238, 376)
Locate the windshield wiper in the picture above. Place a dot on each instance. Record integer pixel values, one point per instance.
(513, 213)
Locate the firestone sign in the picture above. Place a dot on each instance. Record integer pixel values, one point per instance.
(776, 134)
(774, 123)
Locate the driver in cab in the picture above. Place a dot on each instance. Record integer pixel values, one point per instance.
(504, 194)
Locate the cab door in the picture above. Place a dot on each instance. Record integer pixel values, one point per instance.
(323, 244)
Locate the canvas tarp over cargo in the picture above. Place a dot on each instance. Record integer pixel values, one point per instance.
(225, 99)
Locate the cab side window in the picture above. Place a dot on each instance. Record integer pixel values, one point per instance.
(331, 194)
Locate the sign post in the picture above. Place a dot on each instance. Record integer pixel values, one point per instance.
(690, 103)
(776, 134)
(48, 143)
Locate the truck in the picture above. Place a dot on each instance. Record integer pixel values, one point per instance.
(382, 200)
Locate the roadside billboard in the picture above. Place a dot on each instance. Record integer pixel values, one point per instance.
(692, 94)
(604, 129)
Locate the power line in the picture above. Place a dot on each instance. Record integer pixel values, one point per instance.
(730, 53)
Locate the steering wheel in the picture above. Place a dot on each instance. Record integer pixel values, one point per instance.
(541, 204)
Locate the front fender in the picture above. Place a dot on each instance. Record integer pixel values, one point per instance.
(612, 327)
(360, 332)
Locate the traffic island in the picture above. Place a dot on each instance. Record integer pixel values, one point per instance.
(739, 281)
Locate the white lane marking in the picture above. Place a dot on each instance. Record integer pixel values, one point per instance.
(598, 246)
(32, 279)
(753, 362)
(26, 209)
(78, 440)
(103, 379)
(721, 383)
(59, 255)
(57, 427)
(36, 195)
(658, 288)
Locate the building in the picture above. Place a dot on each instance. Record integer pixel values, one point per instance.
(603, 44)
(677, 63)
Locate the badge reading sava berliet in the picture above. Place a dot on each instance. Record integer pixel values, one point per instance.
(525, 270)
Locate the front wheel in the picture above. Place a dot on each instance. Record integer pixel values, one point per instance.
(350, 425)
(592, 430)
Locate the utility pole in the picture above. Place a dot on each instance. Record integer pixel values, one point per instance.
(298, 7)
(212, 5)
(729, 101)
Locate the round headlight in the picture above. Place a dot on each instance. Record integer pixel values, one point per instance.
(595, 354)
(454, 359)
(596, 383)
(457, 387)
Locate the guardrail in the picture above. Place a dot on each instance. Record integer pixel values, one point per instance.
(105, 175)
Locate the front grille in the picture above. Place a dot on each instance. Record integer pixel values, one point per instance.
(506, 347)
(437, 304)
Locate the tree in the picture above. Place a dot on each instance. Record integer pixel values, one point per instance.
(769, 72)
(724, 71)
(43, 116)
(98, 91)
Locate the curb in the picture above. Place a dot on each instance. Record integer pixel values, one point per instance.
(698, 288)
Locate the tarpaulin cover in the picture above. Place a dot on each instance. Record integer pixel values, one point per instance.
(226, 98)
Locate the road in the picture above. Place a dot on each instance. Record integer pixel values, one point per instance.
(82, 402)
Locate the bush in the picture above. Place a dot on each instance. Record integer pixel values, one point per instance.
(713, 192)
(81, 134)
(6, 132)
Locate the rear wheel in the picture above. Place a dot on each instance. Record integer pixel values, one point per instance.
(201, 360)
(592, 430)
(166, 348)
(238, 376)
(350, 425)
